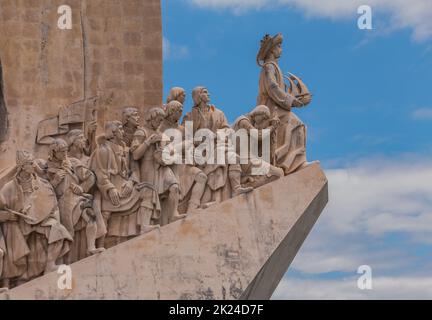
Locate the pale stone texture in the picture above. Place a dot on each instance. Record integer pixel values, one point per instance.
(238, 249)
(114, 51)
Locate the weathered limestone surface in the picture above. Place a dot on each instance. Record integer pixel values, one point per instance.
(114, 52)
(239, 249)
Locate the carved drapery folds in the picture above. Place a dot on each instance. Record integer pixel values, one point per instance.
(3, 109)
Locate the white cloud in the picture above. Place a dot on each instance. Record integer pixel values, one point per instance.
(414, 14)
(174, 51)
(346, 289)
(369, 202)
(422, 114)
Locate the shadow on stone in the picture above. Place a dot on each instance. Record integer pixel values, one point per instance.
(3, 110)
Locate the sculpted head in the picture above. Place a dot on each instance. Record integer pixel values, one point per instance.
(130, 116)
(200, 95)
(260, 116)
(174, 110)
(154, 118)
(177, 94)
(25, 162)
(276, 51)
(76, 138)
(271, 48)
(59, 150)
(114, 130)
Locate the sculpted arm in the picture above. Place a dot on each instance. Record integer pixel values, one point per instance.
(101, 169)
(5, 215)
(277, 94)
(87, 178)
(139, 146)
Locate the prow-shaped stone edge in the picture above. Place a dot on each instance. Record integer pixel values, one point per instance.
(238, 249)
(270, 275)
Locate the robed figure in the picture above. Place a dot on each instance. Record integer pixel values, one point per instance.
(290, 149)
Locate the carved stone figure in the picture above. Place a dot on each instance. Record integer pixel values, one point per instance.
(128, 206)
(72, 182)
(31, 227)
(130, 121)
(291, 135)
(79, 146)
(259, 119)
(146, 149)
(192, 180)
(224, 180)
(13, 247)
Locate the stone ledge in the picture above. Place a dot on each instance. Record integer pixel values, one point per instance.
(239, 249)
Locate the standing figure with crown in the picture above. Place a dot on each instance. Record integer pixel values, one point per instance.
(290, 146)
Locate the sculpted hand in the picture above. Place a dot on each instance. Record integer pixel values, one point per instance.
(58, 177)
(92, 126)
(114, 197)
(154, 138)
(298, 103)
(12, 217)
(77, 189)
(127, 189)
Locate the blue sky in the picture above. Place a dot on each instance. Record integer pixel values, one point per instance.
(369, 124)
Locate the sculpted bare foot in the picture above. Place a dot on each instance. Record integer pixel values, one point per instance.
(3, 290)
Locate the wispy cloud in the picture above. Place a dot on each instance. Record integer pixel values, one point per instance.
(422, 114)
(380, 214)
(415, 14)
(173, 51)
(383, 288)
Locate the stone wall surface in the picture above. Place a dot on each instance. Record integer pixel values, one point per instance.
(239, 249)
(113, 52)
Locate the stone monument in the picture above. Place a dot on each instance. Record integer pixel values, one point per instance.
(99, 178)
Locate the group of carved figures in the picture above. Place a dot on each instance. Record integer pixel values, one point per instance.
(88, 196)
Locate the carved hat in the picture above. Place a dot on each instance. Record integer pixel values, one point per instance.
(23, 157)
(267, 44)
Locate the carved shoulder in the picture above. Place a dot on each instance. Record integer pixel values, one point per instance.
(7, 193)
(269, 68)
